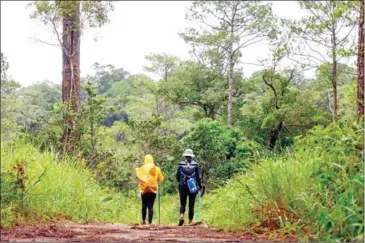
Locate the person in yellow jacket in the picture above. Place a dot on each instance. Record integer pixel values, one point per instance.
(149, 175)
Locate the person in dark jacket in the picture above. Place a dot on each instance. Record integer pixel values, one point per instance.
(187, 169)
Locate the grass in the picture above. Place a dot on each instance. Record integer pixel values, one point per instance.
(44, 186)
(316, 189)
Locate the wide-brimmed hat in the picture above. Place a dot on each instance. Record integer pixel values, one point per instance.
(188, 153)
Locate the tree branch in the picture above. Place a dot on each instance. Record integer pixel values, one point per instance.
(307, 55)
(273, 89)
(324, 59)
(45, 42)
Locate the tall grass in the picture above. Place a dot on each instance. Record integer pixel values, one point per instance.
(44, 186)
(316, 189)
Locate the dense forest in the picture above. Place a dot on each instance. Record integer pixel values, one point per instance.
(276, 146)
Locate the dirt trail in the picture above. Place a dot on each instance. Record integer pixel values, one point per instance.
(106, 232)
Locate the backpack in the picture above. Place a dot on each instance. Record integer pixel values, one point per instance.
(190, 182)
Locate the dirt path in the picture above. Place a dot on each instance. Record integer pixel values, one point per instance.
(106, 232)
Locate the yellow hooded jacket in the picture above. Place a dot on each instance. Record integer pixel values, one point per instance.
(148, 176)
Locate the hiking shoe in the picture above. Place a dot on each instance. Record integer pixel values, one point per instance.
(143, 223)
(181, 221)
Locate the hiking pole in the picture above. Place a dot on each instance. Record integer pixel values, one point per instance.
(198, 214)
(136, 217)
(159, 204)
(200, 195)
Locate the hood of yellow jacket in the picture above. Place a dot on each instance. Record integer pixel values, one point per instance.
(148, 159)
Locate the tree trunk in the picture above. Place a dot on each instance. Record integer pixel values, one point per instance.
(360, 64)
(71, 73)
(334, 74)
(334, 88)
(275, 135)
(230, 85)
(212, 112)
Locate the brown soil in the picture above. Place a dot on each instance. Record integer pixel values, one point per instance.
(106, 232)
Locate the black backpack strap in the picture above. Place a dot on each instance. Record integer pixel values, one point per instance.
(189, 176)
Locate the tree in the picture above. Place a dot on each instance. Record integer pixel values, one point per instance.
(107, 75)
(322, 86)
(277, 106)
(216, 146)
(9, 102)
(326, 34)
(38, 100)
(161, 64)
(90, 117)
(8, 86)
(227, 28)
(67, 19)
(360, 63)
(194, 85)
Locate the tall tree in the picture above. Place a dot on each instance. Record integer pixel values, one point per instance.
(360, 63)
(325, 36)
(67, 19)
(227, 28)
(162, 65)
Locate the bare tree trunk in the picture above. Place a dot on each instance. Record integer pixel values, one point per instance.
(360, 64)
(334, 88)
(334, 74)
(71, 73)
(230, 85)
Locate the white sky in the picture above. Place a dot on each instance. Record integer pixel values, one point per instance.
(136, 29)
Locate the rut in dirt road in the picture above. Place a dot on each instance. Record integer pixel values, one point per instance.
(106, 232)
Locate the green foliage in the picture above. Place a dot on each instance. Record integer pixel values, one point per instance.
(161, 64)
(10, 105)
(219, 150)
(106, 76)
(93, 13)
(88, 120)
(46, 186)
(37, 101)
(262, 110)
(194, 85)
(227, 23)
(312, 184)
(318, 186)
(325, 22)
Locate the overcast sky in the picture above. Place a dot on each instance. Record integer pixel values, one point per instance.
(136, 29)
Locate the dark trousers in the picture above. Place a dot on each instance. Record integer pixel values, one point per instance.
(184, 194)
(148, 199)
